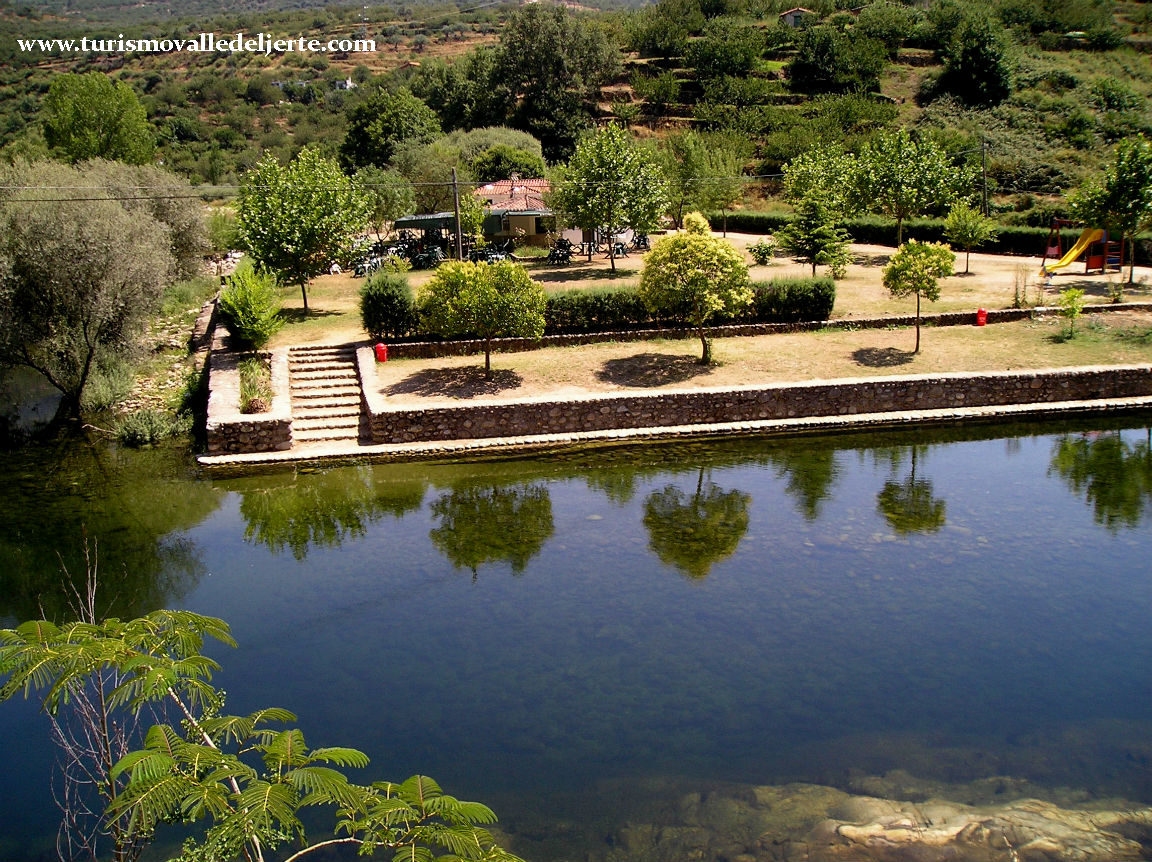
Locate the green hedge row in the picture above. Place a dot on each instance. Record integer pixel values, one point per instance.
(881, 231)
(789, 300)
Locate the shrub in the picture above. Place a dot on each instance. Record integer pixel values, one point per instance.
(143, 427)
(792, 300)
(763, 251)
(387, 308)
(250, 306)
(594, 311)
(255, 385)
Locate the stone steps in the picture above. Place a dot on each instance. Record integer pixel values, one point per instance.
(325, 395)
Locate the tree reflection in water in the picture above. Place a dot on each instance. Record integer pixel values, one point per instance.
(478, 524)
(693, 533)
(1114, 476)
(909, 506)
(811, 473)
(321, 509)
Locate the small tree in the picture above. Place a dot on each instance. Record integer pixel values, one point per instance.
(295, 219)
(813, 236)
(967, 227)
(1071, 307)
(695, 275)
(250, 305)
(903, 177)
(485, 301)
(90, 117)
(917, 268)
(611, 182)
(387, 308)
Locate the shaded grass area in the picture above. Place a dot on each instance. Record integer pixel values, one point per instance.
(1122, 338)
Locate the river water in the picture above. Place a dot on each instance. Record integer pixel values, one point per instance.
(555, 636)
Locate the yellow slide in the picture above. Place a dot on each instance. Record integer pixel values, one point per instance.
(1089, 236)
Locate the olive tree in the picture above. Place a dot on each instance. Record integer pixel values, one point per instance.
(917, 268)
(485, 301)
(90, 117)
(78, 276)
(697, 276)
(295, 218)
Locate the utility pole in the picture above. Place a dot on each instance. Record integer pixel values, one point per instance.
(984, 172)
(456, 202)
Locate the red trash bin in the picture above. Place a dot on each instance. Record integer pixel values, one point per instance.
(981, 317)
(381, 352)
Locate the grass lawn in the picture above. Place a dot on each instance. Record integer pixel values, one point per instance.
(1119, 338)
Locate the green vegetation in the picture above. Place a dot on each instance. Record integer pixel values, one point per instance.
(484, 301)
(968, 228)
(255, 385)
(250, 306)
(244, 781)
(1071, 307)
(694, 276)
(917, 268)
(90, 117)
(387, 308)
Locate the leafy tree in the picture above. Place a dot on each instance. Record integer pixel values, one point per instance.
(889, 23)
(295, 218)
(814, 237)
(248, 781)
(977, 64)
(702, 172)
(384, 120)
(726, 47)
(1071, 307)
(968, 228)
(826, 172)
(917, 268)
(909, 506)
(477, 524)
(389, 195)
(695, 532)
(695, 275)
(501, 161)
(428, 167)
(77, 277)
(828, 61)
(90, 117)
(662, 29)
(1121, 200)
(484, 301)
(658, 92)
(611, 182)
(554, 63)
(903, 176)
(467, 94)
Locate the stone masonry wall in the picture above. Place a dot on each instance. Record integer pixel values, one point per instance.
(231, 432)
(702, 406)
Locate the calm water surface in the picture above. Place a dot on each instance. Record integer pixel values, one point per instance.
(957, 604)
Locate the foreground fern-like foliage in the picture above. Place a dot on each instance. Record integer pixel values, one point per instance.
(245, 778)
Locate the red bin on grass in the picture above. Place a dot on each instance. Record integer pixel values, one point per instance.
(381, 352)
(981, 317)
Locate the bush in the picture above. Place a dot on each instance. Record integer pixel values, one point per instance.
(250, 306)
(387, 308)
(255, 385)
(763, 251)
(792, 300)
(144, 427)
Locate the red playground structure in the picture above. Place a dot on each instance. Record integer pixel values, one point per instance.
(1100, 253)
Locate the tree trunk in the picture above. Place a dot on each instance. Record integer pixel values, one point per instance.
(967, 255)
(899, 232)
(487, 358)
(706, 345)
(724, 213)
(304, 293)
(917, 350)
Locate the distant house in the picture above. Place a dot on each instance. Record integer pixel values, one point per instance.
(795, 17)
(346, 84)
(516, 208)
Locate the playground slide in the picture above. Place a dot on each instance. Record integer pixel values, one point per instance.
(1089, 236)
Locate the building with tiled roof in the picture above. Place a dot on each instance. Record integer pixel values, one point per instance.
(516, 208)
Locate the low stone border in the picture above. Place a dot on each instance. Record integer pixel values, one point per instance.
(434, 349)
(702, 407)
(228, 430)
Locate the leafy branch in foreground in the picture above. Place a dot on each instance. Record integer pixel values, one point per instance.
(245, 779)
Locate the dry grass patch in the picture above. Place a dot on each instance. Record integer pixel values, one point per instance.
(562, 372)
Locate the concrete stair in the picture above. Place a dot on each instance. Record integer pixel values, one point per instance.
(325, 394)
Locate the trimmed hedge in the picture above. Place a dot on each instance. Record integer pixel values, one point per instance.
(786, 300)
(873, 230)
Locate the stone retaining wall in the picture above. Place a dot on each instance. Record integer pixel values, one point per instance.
(433, 349)
(703, 406)
(231, 432)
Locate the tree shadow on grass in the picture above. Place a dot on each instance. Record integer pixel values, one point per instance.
(882, 357)
(651, 369)
(299, 315)
(865, 259)
(465, 382)
(580, 272)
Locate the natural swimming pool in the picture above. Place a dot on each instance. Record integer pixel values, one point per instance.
(578, 640)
